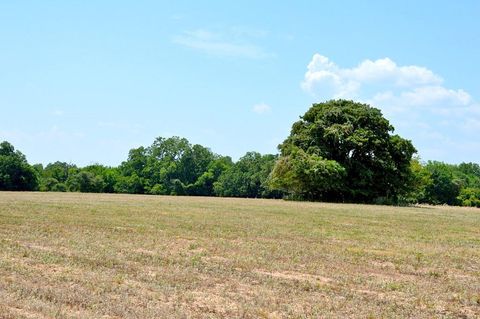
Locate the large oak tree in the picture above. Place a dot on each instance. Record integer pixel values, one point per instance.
(341, 150)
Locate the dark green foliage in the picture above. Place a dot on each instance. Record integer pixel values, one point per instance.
(62, 177)
(204, 185)
(177, 165)
(15, 172)
(371, 163)
(55, 175)
(58, 170)
(444, 187)
(132, 184)
(136, 162)
(59, 187)
(109, 175)
(440, 183)
(85, 182)
(248, 177)
(48, 184)
(171, 166)
(132, 171)
(471, 174)
(307, 176)
(449, 184)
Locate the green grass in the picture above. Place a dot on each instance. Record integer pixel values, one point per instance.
(125, 256)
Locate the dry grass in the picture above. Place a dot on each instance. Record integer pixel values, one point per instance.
(122, 256)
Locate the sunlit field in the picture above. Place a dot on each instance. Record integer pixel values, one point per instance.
(72, 255)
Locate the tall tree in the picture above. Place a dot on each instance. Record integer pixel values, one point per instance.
(371, 162)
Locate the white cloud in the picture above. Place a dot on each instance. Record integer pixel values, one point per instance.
(387, 70)
(412, 97)
(436, 95)
(347, 82)
(262, 108)
(233, 43)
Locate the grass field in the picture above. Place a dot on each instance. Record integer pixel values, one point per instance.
(124, 256)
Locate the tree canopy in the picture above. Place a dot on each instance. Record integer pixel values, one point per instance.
(344, 151)
(171, 166)
(449, 184)
(15, 172)
(248, 177)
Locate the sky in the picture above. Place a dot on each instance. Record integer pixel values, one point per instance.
(86, 81)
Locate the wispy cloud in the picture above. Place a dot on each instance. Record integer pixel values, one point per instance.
(242, 31)
(438, 119)
(235, 42)
(261, 108)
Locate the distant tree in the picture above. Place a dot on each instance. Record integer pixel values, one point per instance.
(193, 163)
(59, 187)
(444, 187)
(38, 169)
(204, 184)
(372, 164)
(54, 176)
(170, 166)
(471, 171)
(420, 179)
(132, 184)
(85, 182)
(136, 161)
(48, 184)
(248, 177)
(369, 165)
(58, 170)
(469, 197)
(439, 183)
(15, 172)
(132, 172)
(109, 175)
(169, 163)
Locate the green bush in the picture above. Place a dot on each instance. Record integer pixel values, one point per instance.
(469, 197)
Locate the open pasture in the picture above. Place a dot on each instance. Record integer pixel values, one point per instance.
(72, 255)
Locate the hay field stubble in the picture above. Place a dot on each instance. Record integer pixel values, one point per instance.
(130, 256)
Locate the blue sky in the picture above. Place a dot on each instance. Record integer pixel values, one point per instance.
(85, 81)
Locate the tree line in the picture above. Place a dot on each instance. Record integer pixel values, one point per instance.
(170, 166)
(339, 151)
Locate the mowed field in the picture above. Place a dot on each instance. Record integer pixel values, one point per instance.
(129, 256)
